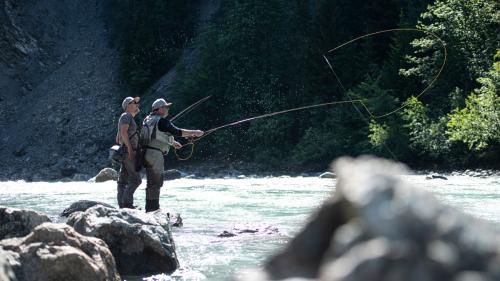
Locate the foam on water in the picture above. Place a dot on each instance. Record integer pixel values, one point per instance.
(210, 206)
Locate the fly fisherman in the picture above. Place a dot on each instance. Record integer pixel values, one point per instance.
(162, 138)
(128, 138)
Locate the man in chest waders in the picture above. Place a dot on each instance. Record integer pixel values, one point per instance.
(162, 138)
(128, 137)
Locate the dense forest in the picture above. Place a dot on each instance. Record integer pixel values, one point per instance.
(258, 56)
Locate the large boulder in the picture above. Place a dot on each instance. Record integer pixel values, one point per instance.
(106, 174)
(6, 273)
(377, 227)
(54, 252)
(19, 222)
(172, 174)
(141, 243)
(82, 206)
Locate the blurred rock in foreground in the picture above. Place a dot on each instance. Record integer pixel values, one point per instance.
(377, 227)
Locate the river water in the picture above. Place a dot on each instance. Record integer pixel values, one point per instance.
(280, 205)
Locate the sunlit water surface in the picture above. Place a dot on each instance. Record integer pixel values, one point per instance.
(210, 206)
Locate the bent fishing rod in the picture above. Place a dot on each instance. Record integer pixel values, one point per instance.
(191, 141)
(190, 108)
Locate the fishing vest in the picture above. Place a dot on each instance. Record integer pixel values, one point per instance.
(159, 140)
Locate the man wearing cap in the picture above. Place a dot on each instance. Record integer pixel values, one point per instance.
(128, 137)
(162, 138)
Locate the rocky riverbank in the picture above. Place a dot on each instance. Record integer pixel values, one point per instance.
(98, 242)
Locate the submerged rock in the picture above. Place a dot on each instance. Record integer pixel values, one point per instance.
(172, 174)
(436, 176)
(328, 175)
(377, 227)
(19, 222)
(106, 174)
(82, 206)
(141, 243)
(225, 234)
(249, 229)
(176, 220)
(55, 252)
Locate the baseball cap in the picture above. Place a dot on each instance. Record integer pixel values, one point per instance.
(128, 100)
(159, 103)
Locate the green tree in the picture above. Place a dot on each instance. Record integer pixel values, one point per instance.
(152, 34)
(470, 30)
(478, 123)
(427, 136)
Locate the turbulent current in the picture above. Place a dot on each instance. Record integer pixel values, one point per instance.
(277, 207)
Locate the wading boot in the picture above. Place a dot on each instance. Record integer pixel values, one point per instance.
(152, 205)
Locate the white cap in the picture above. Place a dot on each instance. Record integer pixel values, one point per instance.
(159, 103)
(128, 100)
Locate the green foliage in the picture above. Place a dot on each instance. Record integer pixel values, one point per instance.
(260, 56)
(426, 136)
(470, 30)
(478, 124)
(379, 134)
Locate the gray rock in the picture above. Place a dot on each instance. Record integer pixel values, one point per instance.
(19, 222)
(328, 175)
(255, 229)
(6, 273)
(82, 206)
(226, 234)
(55, 252)
(435, 176)
(141, 243)
(105, 174)
(172, 174)
(176, 220)
(377, 227)
(80, 177)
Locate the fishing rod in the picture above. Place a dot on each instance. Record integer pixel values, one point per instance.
(191, 141)
(189, 108)
(429, 86)
(371, 115)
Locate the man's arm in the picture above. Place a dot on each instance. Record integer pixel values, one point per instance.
(126, 141)
(166, 125)
(191, 133)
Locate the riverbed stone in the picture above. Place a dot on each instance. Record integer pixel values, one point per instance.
(106, 174)
(141, 243)
(253, 229)
(435, 176)
(378, 227)
(82, 206)
(55, 252)
(19, 222)
(172, 174)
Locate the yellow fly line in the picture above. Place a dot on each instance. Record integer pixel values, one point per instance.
(350, 101)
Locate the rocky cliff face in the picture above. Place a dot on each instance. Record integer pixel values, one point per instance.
(60, 90)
